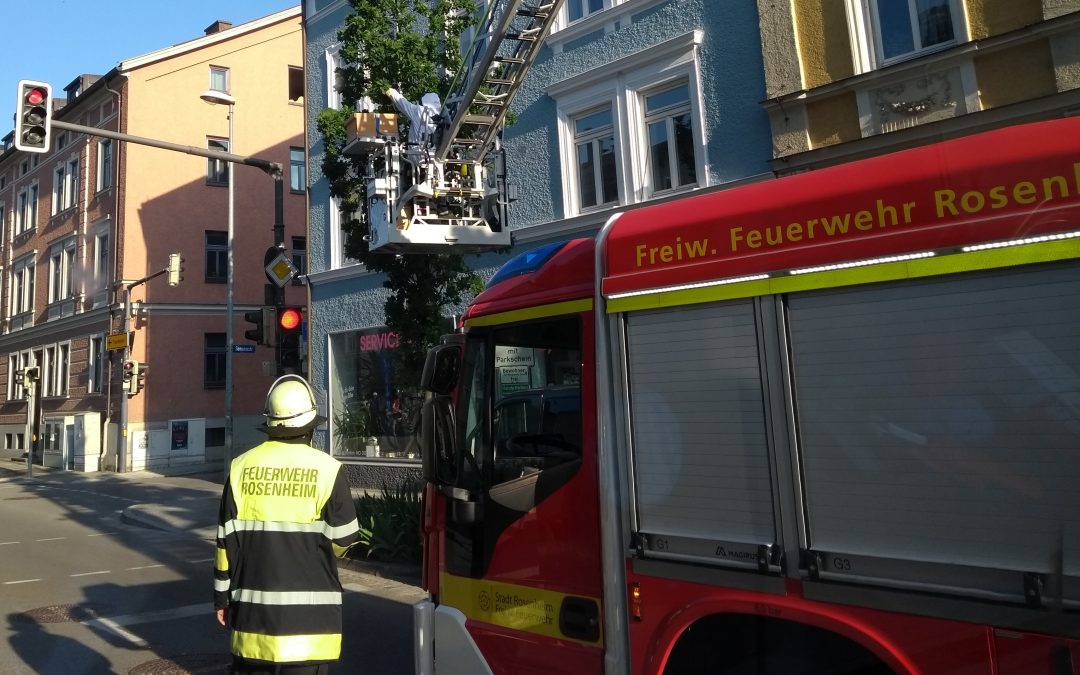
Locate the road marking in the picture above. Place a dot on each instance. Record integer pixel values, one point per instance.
(116, 624)
(204, 560)
(116, 629)
(20, 581)
(8, 543)
(100, 534)
(51, 539)
(88, 574)
(144, 567)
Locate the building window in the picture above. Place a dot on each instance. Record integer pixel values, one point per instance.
(902, 27)
(594, 150)
(299, 258)
(104, 164)
(671, 139)
(297, 173)
(296, 84)
(631, 131)
(219, 79)
(885, 31)
(101, 260)
(214, 437)
(3, 220)
(16, 362)
(62, 271)
(22, 286)
(26, 209)
(334, 79)
(217, 171)
(95, 370)
(66, 187)
(48, 374)
(213, 360)
(217, 256)
(578, 9)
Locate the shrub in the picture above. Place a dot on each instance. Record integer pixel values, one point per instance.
(390, 524)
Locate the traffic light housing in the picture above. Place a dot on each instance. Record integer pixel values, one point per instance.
(174, 269)
(33, 116)
(263, 320)
(290, 326)
(131, 377)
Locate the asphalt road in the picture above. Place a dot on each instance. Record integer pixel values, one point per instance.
(83, 591)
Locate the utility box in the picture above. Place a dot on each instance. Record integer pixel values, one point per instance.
(371, 125)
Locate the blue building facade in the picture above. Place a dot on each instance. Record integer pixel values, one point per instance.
(629, 102)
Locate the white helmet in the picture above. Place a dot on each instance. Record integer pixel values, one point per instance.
(290, 407)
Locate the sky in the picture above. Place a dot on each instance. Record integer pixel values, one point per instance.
(55, 41)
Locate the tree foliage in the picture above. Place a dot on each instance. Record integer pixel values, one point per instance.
(411, 45)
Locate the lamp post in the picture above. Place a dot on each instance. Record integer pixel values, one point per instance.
(219, 97)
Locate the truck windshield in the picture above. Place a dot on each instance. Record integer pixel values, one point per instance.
(521, 400)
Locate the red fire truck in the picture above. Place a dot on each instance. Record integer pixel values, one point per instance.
(828, 423)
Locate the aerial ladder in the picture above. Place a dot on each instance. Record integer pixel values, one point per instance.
(446, 185)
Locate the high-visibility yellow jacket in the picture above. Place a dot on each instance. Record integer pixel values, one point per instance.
(286, 513)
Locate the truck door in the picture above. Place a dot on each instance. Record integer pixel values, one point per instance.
(521, 548)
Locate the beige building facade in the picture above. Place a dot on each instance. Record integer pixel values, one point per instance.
(851, 78)
(88, 226)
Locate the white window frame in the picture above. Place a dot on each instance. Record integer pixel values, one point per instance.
(338, 258)
(17, 361)
(333, 80)
(65, 185)
(214, 70)
(95, 364)
(297, 170)
(865, 38)
(26, 208)
(55, 369)
(666, 115)
(217, 168)
(62, 270)
(22, 288)
(102, 259)
(104, 168)
(622, 82)
(593, 138)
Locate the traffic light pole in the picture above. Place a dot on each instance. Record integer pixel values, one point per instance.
(273, 169)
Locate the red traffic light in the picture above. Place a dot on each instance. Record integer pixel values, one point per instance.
(289, 318)
(36, 96)
(129, 366)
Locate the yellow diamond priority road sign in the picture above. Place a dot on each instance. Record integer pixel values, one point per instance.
(280, 270)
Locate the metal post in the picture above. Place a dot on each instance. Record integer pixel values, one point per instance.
(229, 310)
(122, 453)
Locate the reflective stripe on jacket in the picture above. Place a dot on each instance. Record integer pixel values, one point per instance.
(286, 513)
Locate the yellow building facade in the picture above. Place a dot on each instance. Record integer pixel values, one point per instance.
(852, 78)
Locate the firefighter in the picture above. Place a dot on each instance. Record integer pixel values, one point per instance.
(286, 513)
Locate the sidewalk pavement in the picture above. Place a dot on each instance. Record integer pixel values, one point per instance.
(196, 511)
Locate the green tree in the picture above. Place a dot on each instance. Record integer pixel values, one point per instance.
(411, 45)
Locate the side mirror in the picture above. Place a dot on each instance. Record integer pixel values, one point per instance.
(438, 457)
(440, 374)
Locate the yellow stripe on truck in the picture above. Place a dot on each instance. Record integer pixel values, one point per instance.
(530, 313)
(525, 608)
(1011, 256)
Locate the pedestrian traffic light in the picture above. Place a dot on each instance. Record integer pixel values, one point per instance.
(290, 322)
(174, 269)
(131, 377)
(263, 321)
(33, 116)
